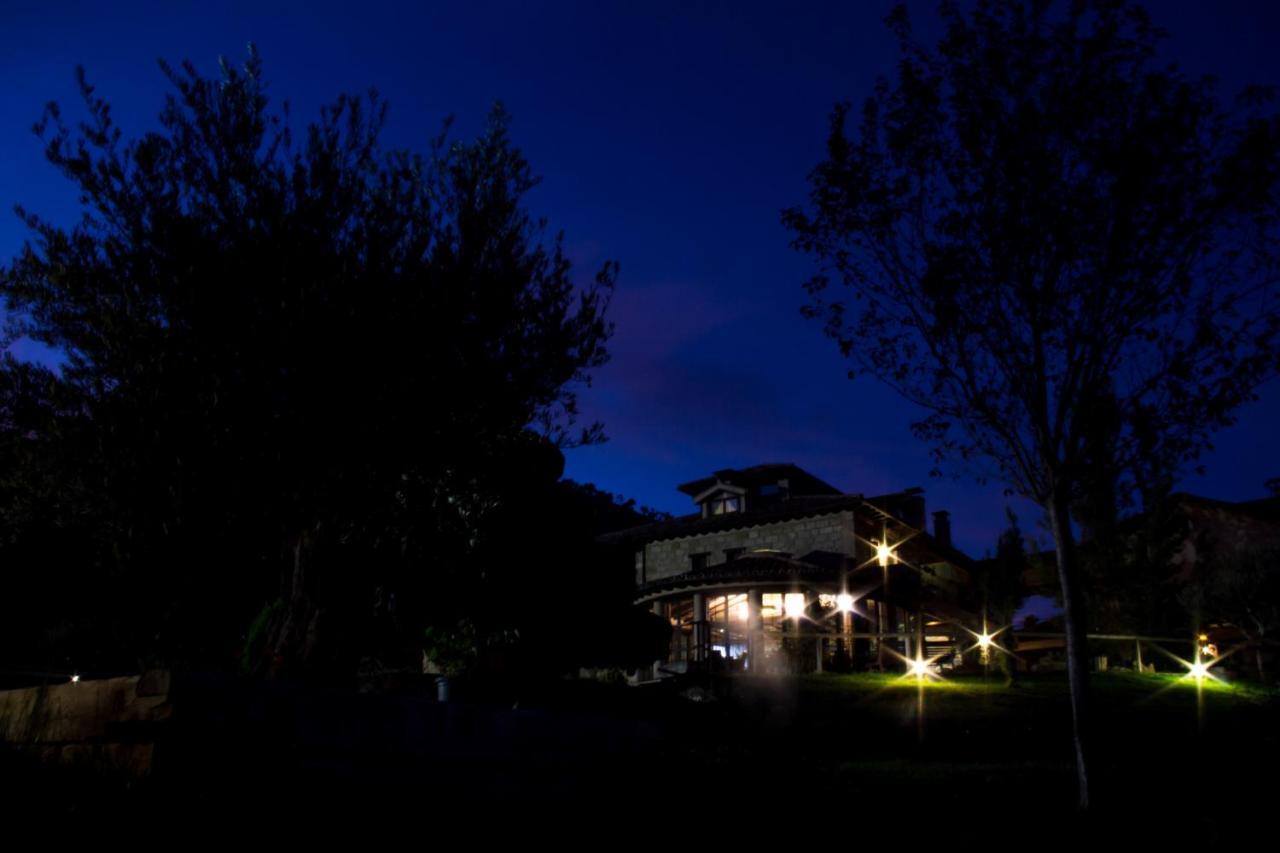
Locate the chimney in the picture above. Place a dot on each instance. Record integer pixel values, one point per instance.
(942, 527)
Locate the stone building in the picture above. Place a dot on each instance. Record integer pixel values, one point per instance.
(778, 570)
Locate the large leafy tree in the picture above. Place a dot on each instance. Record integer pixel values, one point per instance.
(300, 368)
(1058, 247)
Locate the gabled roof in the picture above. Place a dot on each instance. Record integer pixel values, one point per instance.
(801, 482)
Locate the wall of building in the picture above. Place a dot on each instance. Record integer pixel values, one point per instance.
(834, 532)
(1222, 533)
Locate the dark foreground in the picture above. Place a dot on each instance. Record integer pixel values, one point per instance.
(816, 758)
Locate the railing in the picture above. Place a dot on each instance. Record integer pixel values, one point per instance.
(790, 648)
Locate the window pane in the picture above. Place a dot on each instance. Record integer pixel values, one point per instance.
(715, 609)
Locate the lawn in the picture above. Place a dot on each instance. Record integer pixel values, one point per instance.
(1172, 759)
(866, 754)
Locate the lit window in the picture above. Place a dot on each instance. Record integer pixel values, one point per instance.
(793, 605)
(732, 608)
(770, 606)
(721, 506)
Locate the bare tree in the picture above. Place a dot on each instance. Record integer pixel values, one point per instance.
(1058, 249)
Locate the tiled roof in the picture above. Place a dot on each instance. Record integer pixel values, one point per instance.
(695, 524)
(747, 568)
(771, 569)
(802, 482)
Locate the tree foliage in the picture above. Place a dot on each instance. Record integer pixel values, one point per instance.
(1040, 229)
(1060, 249)
(1002, 583)
(299, 366)
(1239, 588)
(1131, 574)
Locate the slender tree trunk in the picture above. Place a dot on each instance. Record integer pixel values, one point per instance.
(292, 637)
(1077, 641)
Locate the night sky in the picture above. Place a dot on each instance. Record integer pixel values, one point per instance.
(668, 138)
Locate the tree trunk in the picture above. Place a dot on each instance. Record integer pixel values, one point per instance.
(292, 637)
(1077, 641)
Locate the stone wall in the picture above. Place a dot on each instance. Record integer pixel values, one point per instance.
(834, 532)
(108, 723)
(216, 735)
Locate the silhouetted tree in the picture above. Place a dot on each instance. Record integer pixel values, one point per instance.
(1129, 570)
(1003, 587)
(1056, 247)
(300, 371)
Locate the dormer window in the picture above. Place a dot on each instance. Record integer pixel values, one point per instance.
(721, 499)
(722, 506)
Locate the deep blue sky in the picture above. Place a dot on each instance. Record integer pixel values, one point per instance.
(669, 136)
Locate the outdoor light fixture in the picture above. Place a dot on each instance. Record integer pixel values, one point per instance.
(884, 554)
(75, 678)
(1199, 671)
(919, 667)
(844, 602)
(984, 640)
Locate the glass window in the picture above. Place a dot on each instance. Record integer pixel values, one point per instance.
(720, 506)
(727, 618)
(727, 608)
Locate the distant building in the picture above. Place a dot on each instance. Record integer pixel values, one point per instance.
(1201, 537)
(778, 570)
